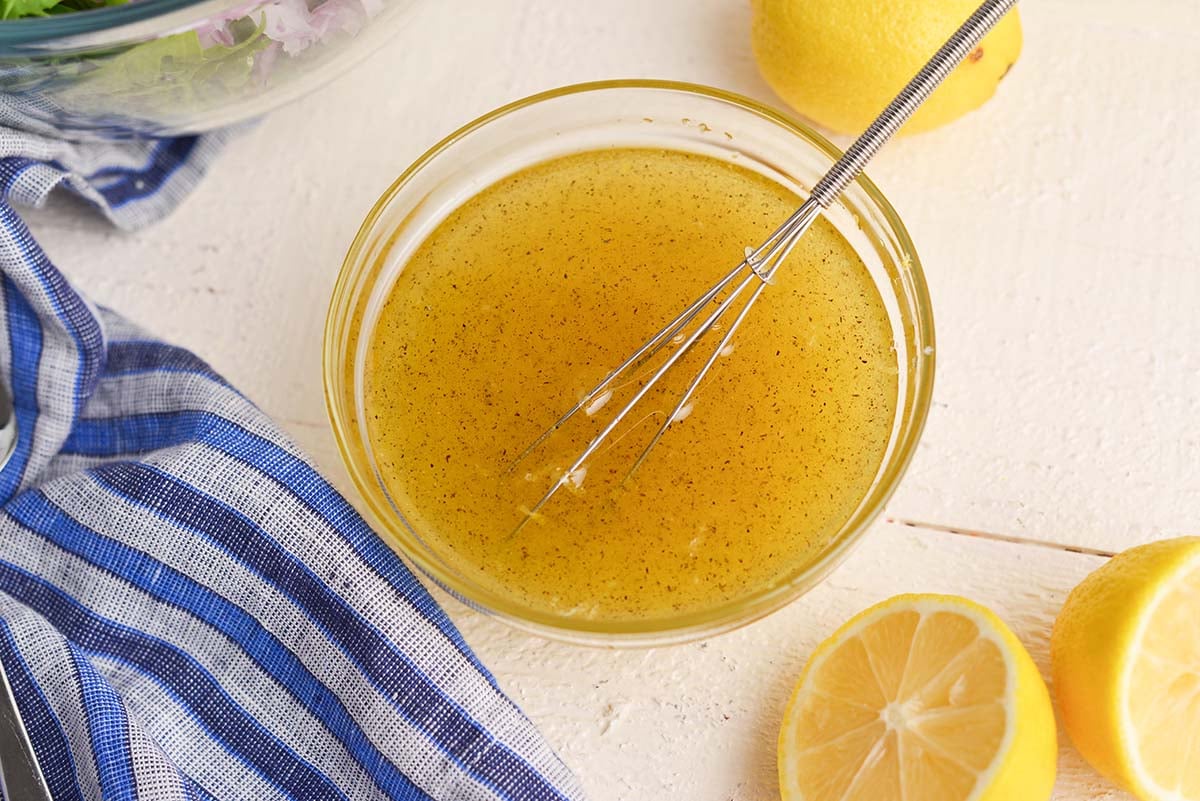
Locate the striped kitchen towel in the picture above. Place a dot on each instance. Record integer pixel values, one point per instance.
(188, 610)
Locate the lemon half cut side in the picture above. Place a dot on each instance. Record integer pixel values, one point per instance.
(1126, 659)
(920, 698)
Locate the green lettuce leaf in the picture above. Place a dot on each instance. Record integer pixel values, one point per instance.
(16, 9)
(172, 73)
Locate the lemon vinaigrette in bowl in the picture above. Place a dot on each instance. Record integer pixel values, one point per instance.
(528, 255)
(521, 300)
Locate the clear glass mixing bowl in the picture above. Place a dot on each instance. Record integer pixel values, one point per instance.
(164, 67)
(586, 117)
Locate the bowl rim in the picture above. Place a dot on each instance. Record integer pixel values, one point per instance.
(690, 626)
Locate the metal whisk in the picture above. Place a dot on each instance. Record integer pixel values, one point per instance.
(757, 270)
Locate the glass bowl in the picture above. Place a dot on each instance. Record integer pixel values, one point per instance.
(590, 116)
(152, 68)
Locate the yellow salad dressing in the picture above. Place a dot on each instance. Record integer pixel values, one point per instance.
(529, 293)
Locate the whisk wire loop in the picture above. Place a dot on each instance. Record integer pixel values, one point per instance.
(759, 266)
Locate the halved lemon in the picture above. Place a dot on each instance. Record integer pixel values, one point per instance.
(1126, 662)
(921, 698)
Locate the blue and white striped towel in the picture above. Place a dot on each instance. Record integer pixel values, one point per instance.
(187, 609)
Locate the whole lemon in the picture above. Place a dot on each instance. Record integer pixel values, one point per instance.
(839, 62)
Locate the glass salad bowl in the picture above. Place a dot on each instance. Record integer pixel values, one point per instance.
(149, 68)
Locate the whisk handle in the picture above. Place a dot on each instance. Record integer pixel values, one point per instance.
(956, 48)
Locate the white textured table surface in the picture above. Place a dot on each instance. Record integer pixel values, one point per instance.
(1058, 227)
